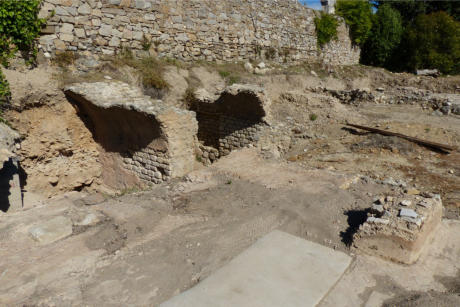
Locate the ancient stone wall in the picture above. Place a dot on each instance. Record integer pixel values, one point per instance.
(225, 30)
(149, 164)
(237, 133)
(230, 121)
(139, 138)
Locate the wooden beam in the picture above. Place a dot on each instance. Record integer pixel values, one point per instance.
(438, 146)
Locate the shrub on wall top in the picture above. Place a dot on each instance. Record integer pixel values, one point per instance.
(358, 16)
(326, 28)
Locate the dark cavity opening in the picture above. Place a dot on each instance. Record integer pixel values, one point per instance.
(229, 114)
(12, 180)
(355, 219)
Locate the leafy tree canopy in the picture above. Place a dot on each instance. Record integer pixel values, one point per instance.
(386, 33)
(358, 16)
(433, 41)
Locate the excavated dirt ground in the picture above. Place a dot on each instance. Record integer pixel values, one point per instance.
(308, 176)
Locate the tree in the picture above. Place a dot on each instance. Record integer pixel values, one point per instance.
(384, 38)
(450, 7)
(433, 41)
(358, 16)
(410, 9)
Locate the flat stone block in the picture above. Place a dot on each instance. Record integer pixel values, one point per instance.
(278, 270)
(52, 230)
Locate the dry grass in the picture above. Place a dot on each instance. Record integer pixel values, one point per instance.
(149, 68)
(65, 59)
(146, 72)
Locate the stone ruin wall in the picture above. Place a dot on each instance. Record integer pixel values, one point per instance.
(149, 164)
(227, 133)
(232, 121)
(189, 30)
(139, 138)
(237, 133)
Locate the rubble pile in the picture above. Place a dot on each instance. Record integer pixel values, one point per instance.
(397, 227)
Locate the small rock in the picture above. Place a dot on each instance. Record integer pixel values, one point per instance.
(408, 213)
(387, 214)
(426, 203)
(390, 181)
(261, 65)
(249, 68)
(405, 203)
(377, 209)
(417, 221)
(107, 77)
(389, 198)
(379, 200)
(445, 110)
(451, 171)
(412, 192)
(377, 220)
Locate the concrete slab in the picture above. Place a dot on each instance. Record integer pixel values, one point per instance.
(278, 270)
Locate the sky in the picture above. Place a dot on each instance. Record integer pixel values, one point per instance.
(314, 4)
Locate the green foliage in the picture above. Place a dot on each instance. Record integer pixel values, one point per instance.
(146, 43)
(433, 41)
(230, 78)
(224, 74)
(410, 9)
(19, 27)
(386, 33)
(358, 16)
(313, 117)
(233, 79)
(5, 93)
(326, 28)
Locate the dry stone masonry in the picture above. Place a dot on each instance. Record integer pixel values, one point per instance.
(230, 120)
(138, 135)
(398, 228)
(225, 30)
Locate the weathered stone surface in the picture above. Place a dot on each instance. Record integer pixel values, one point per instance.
(203, 30)
(90, 200)
(142, 137)
(8, 139)
(50, 231)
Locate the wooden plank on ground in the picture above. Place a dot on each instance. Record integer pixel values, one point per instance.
(439, 146)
